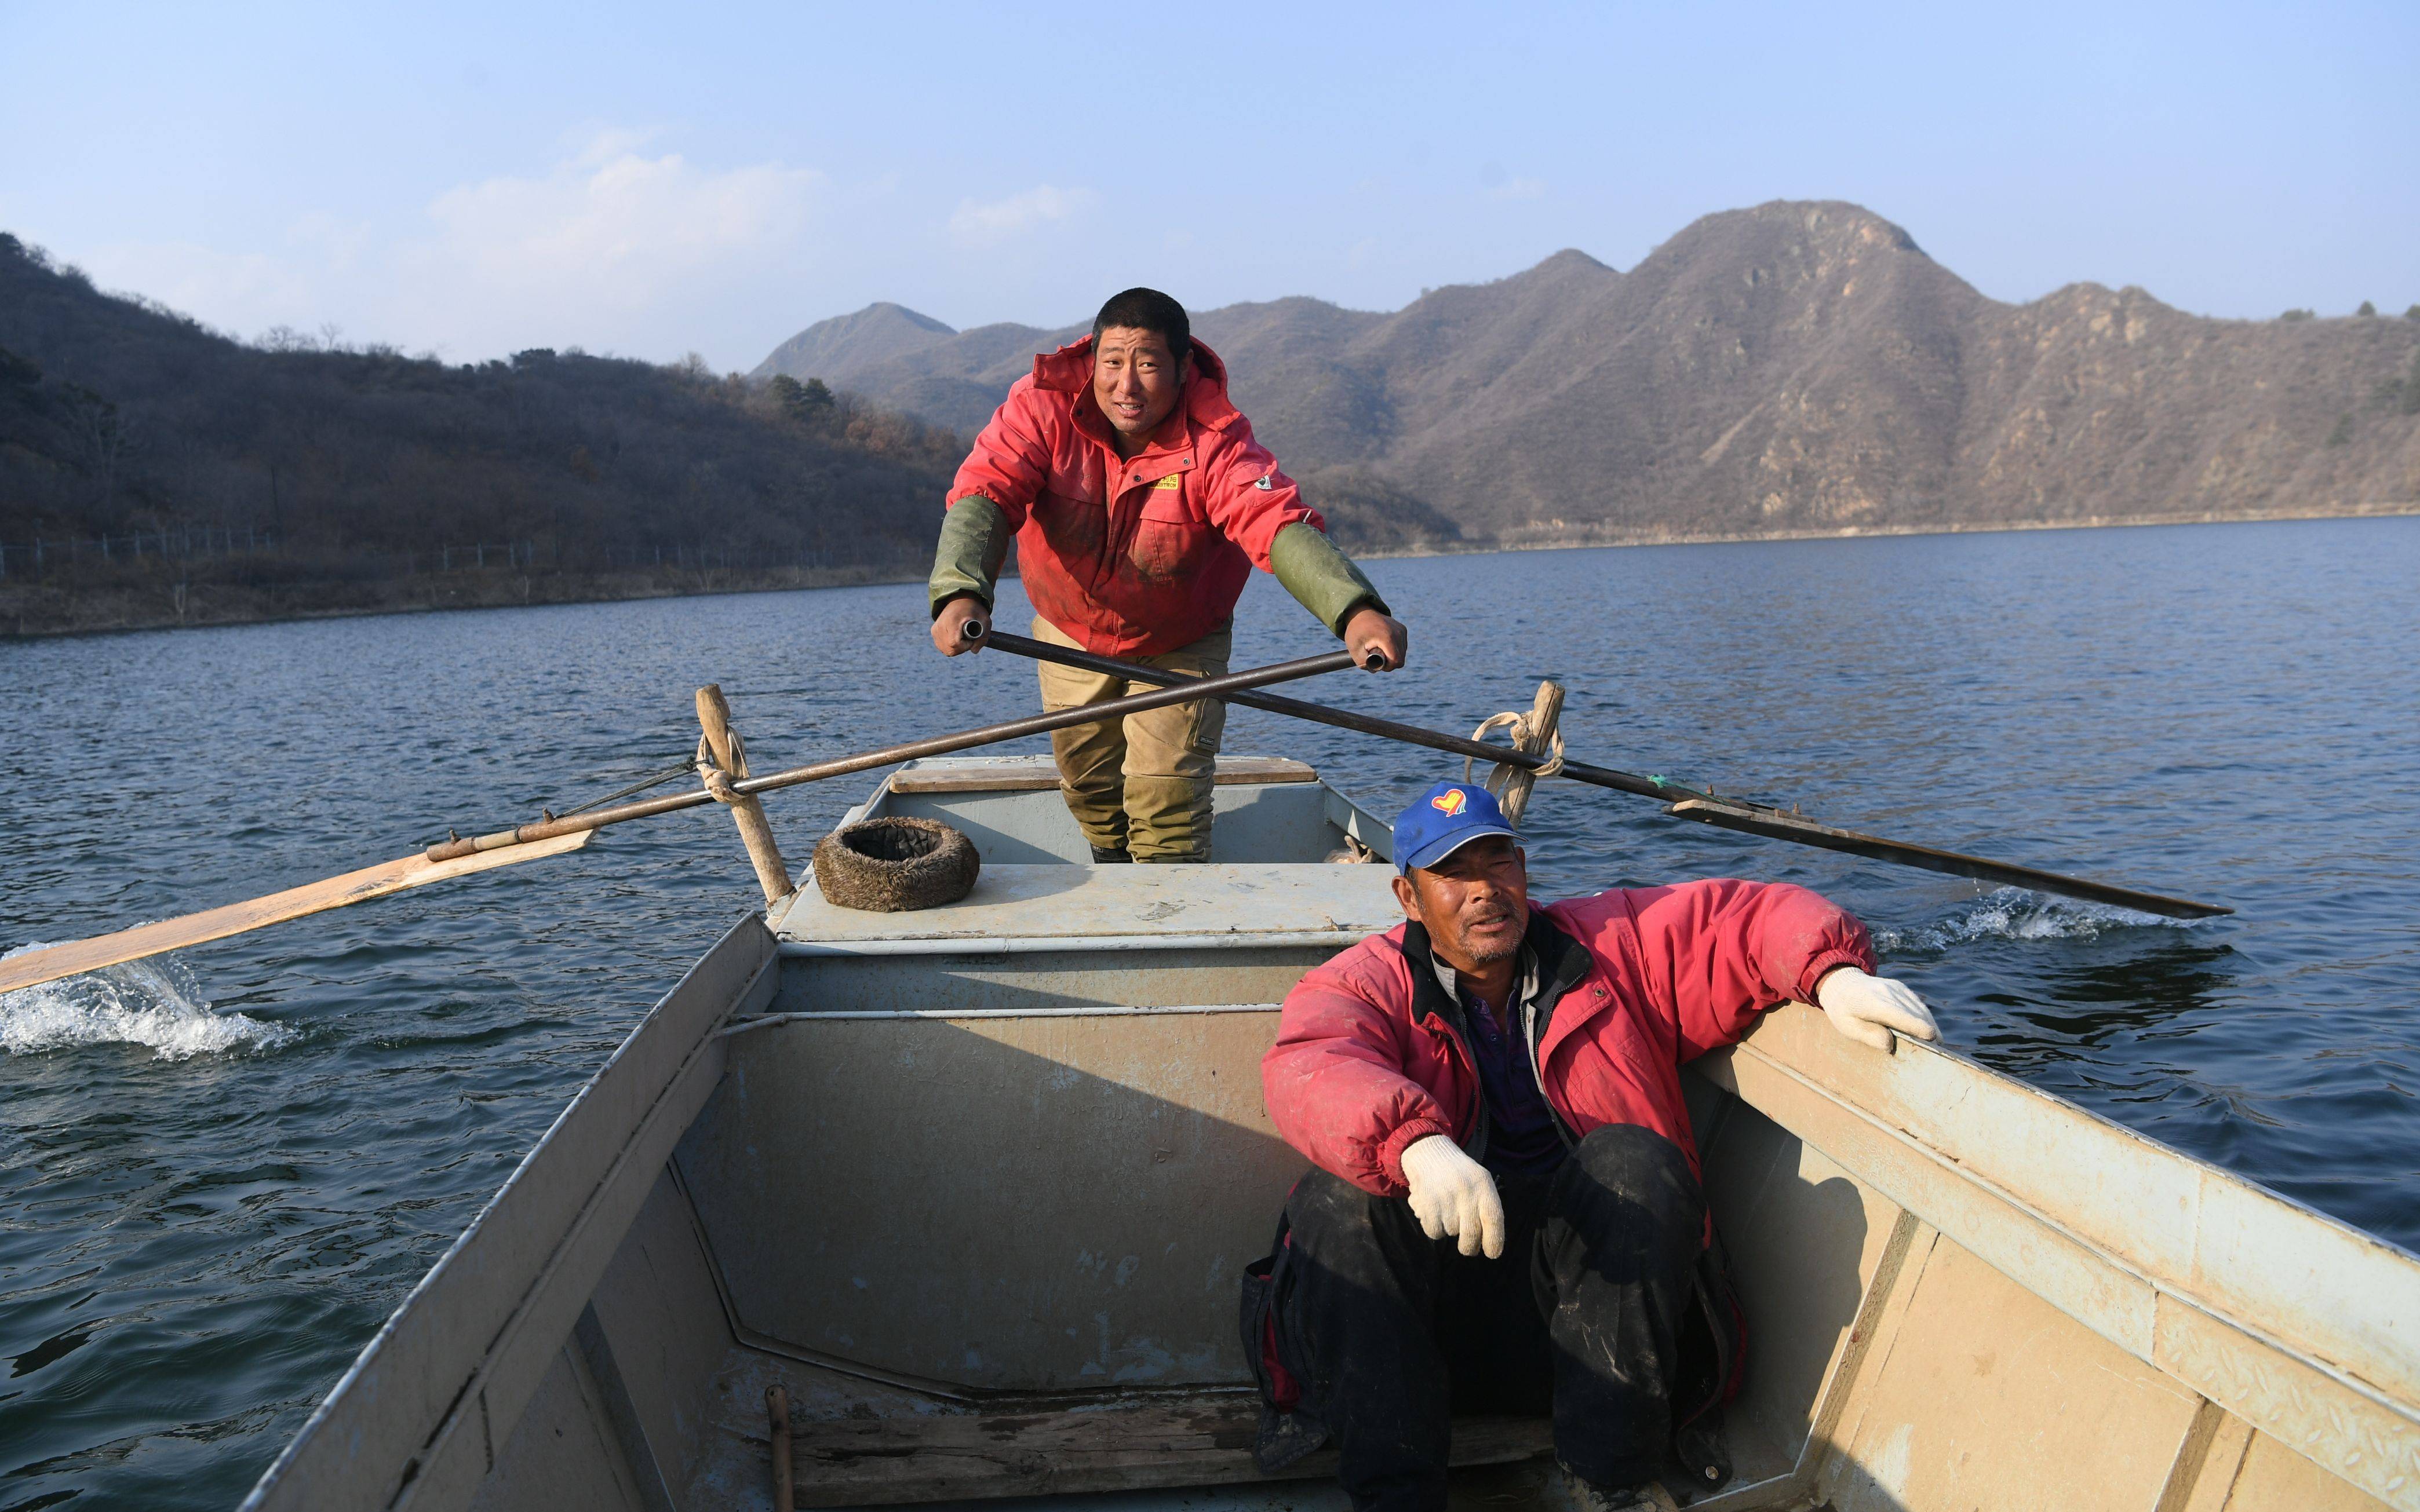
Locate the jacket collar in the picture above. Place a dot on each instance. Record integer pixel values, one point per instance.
(1563, 963)
(1429, 997)
(1428, 994)
(1204, 402)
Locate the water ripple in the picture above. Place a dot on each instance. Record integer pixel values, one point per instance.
(218, 1176)
(154, 1003)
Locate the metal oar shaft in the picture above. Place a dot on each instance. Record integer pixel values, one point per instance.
(1687, 802)
(1366, 724)
(1188, 690)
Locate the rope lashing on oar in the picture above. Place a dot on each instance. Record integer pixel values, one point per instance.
(1517, 722)
(717, 780)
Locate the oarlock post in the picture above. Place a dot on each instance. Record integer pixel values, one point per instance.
(730, 757)
(1533, 737)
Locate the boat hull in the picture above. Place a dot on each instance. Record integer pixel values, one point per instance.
(974, 1189)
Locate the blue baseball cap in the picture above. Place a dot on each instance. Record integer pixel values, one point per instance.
(1443, 820)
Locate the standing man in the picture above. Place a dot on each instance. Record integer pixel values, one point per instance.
(1505, 1211)
(1140, 504)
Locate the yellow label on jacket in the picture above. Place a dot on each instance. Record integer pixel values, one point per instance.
(1175, 480)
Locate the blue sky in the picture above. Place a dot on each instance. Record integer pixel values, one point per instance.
(472, 179)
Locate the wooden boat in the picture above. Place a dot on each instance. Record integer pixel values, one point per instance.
(973, 1186)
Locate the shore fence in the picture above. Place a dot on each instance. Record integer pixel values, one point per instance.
(41, 556)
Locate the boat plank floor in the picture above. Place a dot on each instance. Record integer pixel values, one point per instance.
(1128, 1445)
(856, 1442)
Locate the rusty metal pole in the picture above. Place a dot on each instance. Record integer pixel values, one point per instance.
(1536, 738)
(731, 756)
(777, 1405)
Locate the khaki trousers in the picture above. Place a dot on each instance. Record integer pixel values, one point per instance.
(1143, 784)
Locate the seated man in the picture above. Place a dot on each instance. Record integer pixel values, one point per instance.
(1505, 1212)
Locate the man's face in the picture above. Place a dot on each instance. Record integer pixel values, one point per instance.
(1136, 380)
(1475, 902)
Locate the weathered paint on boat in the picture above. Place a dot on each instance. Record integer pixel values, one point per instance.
(974, 1185)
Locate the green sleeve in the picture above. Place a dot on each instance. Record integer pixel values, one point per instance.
(1311, 567)
(974, 543)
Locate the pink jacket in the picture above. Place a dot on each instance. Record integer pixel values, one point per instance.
(1660, 975)
(1130, 557)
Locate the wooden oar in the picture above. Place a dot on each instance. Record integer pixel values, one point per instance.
(1687, 802)
(1190, 690)
(550, 836)
(52, 961)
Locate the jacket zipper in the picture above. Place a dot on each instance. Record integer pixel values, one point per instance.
(1537, 1069)
(1476, 1147)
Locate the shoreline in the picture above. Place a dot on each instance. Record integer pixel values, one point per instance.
(1574, 542)
(601, 589)
(500, 590)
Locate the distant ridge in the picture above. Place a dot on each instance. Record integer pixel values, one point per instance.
(1793, 368)
(853, 342)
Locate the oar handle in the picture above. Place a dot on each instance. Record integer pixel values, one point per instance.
(973, 630)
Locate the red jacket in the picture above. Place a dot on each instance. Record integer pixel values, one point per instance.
(1130, 557)
(1651, 978)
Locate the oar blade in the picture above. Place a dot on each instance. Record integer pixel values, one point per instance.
(1774, 825)
(31, 968)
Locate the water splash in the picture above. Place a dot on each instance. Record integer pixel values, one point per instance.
(2015, 914)
(155, 1003)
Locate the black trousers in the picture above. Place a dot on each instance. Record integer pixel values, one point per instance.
(1579, 1318)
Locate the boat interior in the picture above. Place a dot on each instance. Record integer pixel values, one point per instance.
(974, 1186)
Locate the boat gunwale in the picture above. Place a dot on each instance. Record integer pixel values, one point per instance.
(1104, 943)
(430, 1448)
(1085, 1010)
(1789, 1048)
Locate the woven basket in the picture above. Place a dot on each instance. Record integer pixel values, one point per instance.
(890, 865)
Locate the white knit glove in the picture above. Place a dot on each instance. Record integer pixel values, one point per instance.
(1452, 1194)
(1868, 1007)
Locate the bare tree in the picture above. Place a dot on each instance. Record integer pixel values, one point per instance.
(106, 437)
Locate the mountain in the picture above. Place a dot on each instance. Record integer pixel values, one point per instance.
(171, 475)
(852, 342)
(1796, 367)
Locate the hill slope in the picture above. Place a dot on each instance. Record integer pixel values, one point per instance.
(270, 481)
(1793, 367)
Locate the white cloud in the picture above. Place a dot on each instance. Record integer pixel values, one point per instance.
(608, 248)
(1000, 219)
(619, 242)
(611, 227)
(1500, 184)
(338, 243)
(244, 292)
(604, 145)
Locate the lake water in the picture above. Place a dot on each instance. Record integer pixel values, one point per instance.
(218, 1176)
